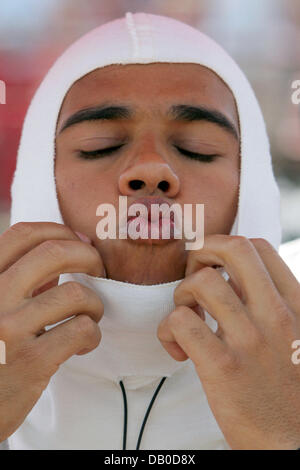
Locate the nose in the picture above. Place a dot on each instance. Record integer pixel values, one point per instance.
(149, 175)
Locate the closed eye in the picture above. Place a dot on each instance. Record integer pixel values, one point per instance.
(99, 152)
(197, 156)
(93, 154)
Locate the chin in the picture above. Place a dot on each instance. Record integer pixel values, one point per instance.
(147, 263)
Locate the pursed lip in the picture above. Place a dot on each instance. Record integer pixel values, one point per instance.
(148, 202)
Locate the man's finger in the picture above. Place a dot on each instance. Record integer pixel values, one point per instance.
(184, 328)
(66, 339)
(208, 288)
(45, 287)
(283, 278)
(20, 238)
(58, 304)
(242, 262)
(50, 259)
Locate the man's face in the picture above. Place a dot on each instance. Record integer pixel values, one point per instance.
(156, 157)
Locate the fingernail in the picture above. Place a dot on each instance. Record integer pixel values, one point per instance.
(84, 238)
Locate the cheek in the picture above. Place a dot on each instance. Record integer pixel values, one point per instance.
(219, 185)
(79, 194)
(68, 186)
(218, 191)
(78, 186)
(223, 203)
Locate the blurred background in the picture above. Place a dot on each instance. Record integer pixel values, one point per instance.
(263, 36)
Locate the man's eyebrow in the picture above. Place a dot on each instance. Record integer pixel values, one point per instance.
(184, 112)
(180, 112)
(97, 113)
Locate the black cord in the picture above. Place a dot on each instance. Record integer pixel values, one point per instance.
(146, 415)
(125, 415)
(148, 411)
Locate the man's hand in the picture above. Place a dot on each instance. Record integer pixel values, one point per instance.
(245, 367)
(32, 256)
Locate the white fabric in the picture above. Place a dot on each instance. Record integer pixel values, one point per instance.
(82, 408)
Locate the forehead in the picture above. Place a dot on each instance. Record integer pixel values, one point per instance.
(151, 88)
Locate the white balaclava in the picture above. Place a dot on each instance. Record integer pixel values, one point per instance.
(129, 346)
